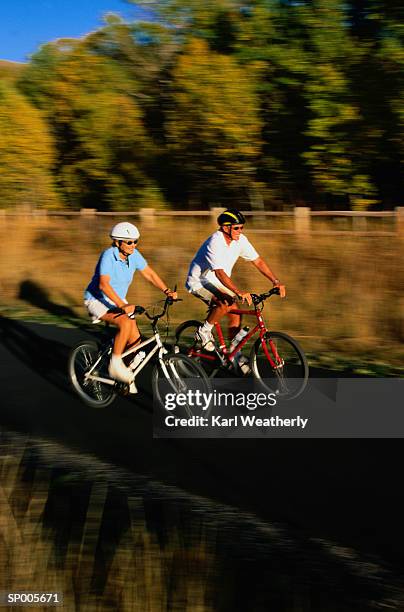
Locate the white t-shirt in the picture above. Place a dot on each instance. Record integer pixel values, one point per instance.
(216, 254)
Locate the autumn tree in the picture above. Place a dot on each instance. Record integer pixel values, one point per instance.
(27, 154)
(91, 104)
(213, 128)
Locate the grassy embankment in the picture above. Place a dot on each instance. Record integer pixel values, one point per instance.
(345, 293)
(46, 547)
(83, 529)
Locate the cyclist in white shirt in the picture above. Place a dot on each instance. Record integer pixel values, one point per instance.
(209, 276)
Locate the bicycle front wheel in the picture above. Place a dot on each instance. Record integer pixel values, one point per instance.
(176, 374)
(280, 365)
(94, 393)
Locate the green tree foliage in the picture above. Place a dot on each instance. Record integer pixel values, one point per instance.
(26, 153)
(378, 83)
(91, 104)
(213, 127)
(286, 101)
(337, 168)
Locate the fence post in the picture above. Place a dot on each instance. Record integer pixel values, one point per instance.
(359, 223)
(87, 219)
(302, 219)
(147, 217)
(400, 221)
(214, 213)
(40, 216)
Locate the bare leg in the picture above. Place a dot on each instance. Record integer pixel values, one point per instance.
(234, 324)
(220, 308)
(127, 333)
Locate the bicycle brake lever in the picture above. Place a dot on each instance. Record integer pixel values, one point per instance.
(139, 310)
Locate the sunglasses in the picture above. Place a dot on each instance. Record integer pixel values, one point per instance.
(129, 242)
(237, 227)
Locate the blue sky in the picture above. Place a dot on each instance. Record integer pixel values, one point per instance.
(26, 24)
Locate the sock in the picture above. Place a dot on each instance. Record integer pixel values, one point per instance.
(207, 326)
(116, 358)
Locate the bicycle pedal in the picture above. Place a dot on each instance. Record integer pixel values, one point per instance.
(122, 388)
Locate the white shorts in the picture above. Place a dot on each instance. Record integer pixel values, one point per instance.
(209, 291)
(97, 309)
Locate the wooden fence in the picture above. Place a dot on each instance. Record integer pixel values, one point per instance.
(300, 220)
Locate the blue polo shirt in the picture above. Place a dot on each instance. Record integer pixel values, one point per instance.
(120, 272)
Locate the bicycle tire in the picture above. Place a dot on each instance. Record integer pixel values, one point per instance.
(290, 378)
(180, 368)
(185, 335)
(93, 393)
(185, 340)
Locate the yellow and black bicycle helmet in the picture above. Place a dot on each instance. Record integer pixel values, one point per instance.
(231, 216)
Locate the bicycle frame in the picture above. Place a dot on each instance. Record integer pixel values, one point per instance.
(229, 355)
(158, 348)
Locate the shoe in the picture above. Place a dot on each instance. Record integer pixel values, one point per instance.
(243, 363)
(206, 339)
(118, 370)
(136, 360)
(132, 387)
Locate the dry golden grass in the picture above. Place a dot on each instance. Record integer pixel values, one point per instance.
(345, 293)
(72, 531)
(144, 575)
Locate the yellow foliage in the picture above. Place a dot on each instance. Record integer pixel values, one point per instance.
(214, 109)
(26, 153)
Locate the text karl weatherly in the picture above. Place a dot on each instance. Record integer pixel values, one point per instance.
(235, 421)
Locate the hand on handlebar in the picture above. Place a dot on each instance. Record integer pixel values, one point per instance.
(128, 309)
(282, 289)
(172, 294)
(246, 297)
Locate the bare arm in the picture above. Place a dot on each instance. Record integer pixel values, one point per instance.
(266, 271)
(151, 275)
(227, 282)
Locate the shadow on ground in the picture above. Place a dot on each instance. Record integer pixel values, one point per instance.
(35, 295)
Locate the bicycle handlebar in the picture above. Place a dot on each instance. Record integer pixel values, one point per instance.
(169, 301)
(258, 298)
(139, 310)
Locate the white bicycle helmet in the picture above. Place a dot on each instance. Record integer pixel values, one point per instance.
(124, 231)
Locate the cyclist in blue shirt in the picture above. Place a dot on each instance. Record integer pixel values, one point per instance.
(108, 288)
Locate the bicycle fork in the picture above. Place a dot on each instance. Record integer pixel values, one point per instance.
(279, 362)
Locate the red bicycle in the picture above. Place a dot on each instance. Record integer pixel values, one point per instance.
(276, 359)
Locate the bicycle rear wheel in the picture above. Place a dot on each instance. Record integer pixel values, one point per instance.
(92, 392)
(179, 374)
(280, 367)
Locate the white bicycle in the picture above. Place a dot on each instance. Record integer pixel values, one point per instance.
(88, 367)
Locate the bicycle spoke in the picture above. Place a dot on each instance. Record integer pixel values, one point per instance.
(280, 366)
(84, 359)
(180, 373)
